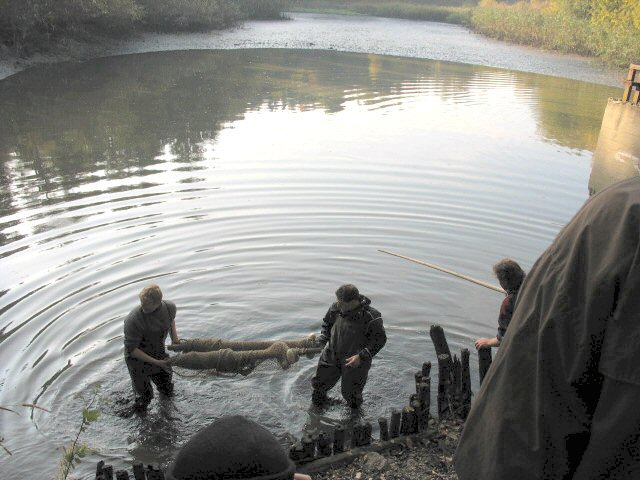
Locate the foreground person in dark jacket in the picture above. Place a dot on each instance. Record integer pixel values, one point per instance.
(560, 400)
(233, 448)
(353, 332)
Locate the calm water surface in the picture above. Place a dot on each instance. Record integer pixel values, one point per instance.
(250, 184)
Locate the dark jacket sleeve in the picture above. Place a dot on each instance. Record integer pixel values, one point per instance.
(327, 324)
(376, 335)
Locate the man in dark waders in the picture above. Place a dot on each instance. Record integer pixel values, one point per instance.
(353, 333)
(145, 331)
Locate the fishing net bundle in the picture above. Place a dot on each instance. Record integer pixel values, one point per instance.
(240, 357)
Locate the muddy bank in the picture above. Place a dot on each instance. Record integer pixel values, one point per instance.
(428, 458)
(437, 41)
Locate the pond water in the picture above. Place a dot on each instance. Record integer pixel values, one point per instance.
(250, 184)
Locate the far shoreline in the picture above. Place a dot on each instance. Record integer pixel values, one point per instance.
(272, 34)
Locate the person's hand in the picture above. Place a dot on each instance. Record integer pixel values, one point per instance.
(484, 342)
(182, 340)
(352, 361)
(320, 341)
(163, 364)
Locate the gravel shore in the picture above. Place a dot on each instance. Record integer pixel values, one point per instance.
(427, 458)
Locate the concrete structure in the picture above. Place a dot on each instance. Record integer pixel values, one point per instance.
(617, 154)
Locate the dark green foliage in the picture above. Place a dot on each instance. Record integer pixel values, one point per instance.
(449, 11)
(30, 25)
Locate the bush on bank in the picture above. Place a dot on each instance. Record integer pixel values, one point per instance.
(448, 11)
(31, 25)
(609, 30)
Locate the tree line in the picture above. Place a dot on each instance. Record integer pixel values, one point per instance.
(27, 26)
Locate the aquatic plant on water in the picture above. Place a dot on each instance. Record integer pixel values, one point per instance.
(73, 454)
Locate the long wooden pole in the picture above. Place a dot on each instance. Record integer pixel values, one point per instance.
(445, 270)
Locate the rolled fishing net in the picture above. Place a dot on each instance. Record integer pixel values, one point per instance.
(221, 356)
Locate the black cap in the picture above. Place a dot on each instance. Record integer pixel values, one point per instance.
(232, 448)
(347, 293)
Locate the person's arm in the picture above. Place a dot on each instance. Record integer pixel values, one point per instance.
(327, 324)
(140, 355)
(174, 333)
(376, 339)
(487, 342)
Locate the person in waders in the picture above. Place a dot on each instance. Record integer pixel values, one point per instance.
(145, 331)
(560, 401)
(352, 334)
(510, 275)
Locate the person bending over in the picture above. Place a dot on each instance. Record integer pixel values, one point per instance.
(510, 276)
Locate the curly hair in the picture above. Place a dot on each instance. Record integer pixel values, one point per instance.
(509, 274)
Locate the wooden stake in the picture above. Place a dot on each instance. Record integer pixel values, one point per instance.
(439, 340)
(444, 385)
(465, 382)
(324, 444)
(484, 361)
(338, 439)
(394, 427)
(426, 369)
(384, 429)
(122, 475)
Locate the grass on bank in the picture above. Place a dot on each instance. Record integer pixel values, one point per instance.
(553, 25)
(606, 29)
(458, 12)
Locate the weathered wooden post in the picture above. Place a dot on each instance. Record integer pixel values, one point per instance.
(358, 437)
(456, 387)
(107, 472)
(138, 471)
(484, 361)
(308, 447)
(122, 475)
(296, 453)
(418, 378)
(99, 467)
(367, 433)
(324, 444)
(384, 429)
(424, 390)
(444, 384)
(394, 427)
(465, 381)
(426, 369)
(338, 439)
(439, 340)
(154, 473)
(409, 421)
(417, 413)
(424, 397)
